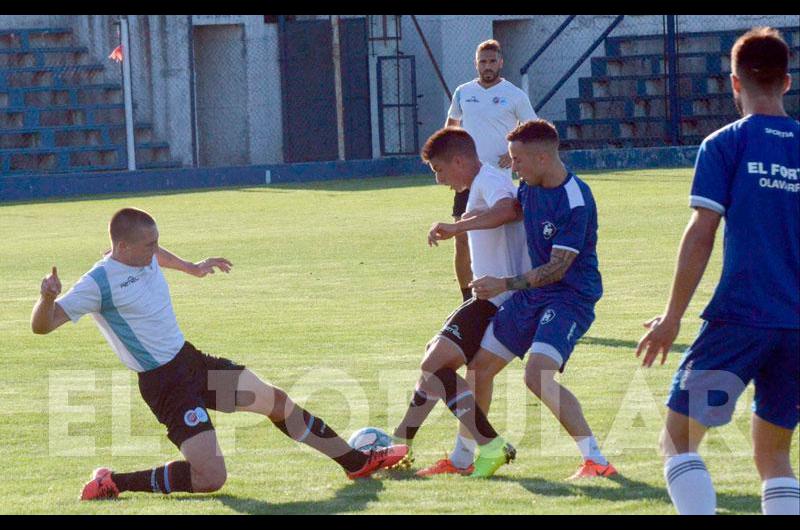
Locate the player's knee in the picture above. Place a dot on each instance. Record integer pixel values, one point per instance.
(279, 404)
(210, 476)
(537, 379)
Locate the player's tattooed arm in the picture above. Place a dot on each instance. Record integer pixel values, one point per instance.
(551, 272)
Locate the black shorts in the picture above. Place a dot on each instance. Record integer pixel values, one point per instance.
(460, 203)
(180, 391)
(466, 325)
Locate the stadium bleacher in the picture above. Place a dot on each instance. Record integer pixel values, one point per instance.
(624, 102)
(58, 115)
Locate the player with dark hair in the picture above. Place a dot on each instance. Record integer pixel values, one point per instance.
(498, 248)
(749, 173)
(128, 297)
(552, 304)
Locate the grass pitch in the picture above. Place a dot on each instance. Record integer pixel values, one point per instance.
(333, 296)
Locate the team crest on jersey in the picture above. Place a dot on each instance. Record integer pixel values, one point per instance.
(497, 100)
(194, 417)
(548, 316)
(548, 229)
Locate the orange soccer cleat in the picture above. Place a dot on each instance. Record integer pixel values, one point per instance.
(100, 487)
(590, 469)
(443, 467)
(380, 459)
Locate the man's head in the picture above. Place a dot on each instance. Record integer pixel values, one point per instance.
(134, 237)
(759, 66)
(489, 61)
(533, 147)
(451, 155)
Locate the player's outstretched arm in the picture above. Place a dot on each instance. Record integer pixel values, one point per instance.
(504, 211)
(693, 255)
(47, 315)
(551, 272)
(169, 260)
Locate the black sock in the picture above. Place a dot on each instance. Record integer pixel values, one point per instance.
(301, 426)
(174, 476)
(461, 402)
(418, 410)
(466, 292)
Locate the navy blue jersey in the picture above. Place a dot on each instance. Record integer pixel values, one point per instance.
(749, 172)
(564, 217)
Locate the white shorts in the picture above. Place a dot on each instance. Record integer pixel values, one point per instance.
(490, 343)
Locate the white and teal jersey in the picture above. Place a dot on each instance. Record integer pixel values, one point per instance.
(132, 308)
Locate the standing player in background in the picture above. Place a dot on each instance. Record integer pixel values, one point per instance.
(487, 108)
(127, 295)
(552, 304)
(748, 172)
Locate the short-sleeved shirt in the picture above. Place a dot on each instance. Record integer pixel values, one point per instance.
(133, 309)
(489, 114)
(497, 252)
(564, 217)
(749, 172)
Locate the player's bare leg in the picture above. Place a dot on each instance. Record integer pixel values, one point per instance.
(780, 494)
(204, 455)
(688, 481)
(254, 395)
(540, 379)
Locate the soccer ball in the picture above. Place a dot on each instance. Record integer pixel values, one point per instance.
(368, 439)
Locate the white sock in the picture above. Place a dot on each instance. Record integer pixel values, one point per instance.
(464, 452)
(591, 451)
(780, 496)
(689, 485)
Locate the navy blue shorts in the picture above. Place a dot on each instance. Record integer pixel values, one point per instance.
(547, 326)
(722, 361)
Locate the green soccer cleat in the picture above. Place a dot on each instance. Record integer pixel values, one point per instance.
(491, 456)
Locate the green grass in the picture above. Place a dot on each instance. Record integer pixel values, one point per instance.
(333, 296)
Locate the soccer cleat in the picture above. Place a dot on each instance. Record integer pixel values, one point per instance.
(405, 463)
(380, 459)
(443, 467)
(489, 461)
(590, 469)
(100, 487)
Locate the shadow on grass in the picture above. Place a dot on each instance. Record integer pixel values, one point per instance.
(626, 490)
(353, 497)
(627, 344)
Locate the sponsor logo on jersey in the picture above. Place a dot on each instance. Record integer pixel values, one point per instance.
(472, 99)
(131, 280)
(548, 229)
(782, 134)
(195, 417)
(547, 317)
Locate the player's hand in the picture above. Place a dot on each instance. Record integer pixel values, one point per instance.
(440, 232)
(487, 287)
(659, 339)
(504, 162)
(51, 285)
(201, 268)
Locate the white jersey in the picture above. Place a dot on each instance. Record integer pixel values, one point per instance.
(501, 251)
(132, 308)
(489, 114)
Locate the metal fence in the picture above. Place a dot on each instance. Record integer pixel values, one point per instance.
(237, 90)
